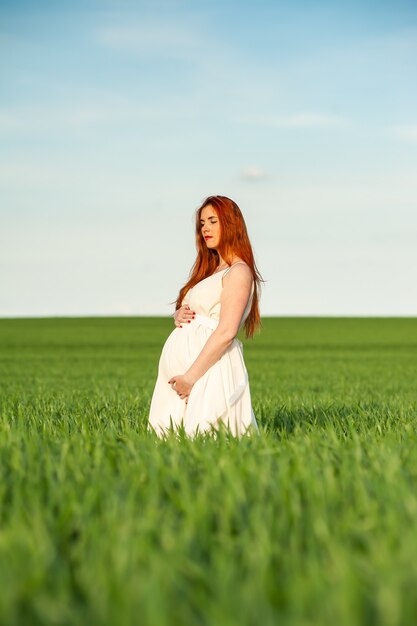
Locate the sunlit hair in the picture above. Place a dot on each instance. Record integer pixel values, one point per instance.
(234, 241)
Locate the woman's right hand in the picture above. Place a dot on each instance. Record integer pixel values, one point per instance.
(183, 315)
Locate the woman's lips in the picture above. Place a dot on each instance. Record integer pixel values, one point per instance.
(209, 237)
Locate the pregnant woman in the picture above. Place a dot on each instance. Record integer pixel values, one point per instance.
(202, 381)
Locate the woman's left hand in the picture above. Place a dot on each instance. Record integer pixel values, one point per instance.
(182, 385)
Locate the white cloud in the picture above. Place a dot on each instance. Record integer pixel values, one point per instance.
(295, 120)
(405, 133)
(253, 173)
(28, 119)
(148, 37)
(79, 115)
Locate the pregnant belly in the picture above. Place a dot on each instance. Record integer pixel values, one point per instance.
(181, 349)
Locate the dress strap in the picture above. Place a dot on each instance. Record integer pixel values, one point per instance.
(237, 263)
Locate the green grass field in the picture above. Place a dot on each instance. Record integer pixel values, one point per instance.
(312, 523)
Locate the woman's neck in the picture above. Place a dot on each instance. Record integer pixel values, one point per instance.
(222, 262)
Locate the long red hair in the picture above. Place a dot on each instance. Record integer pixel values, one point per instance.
(234, 241)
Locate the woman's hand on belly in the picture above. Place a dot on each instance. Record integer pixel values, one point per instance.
(182, 385)
(183, 315)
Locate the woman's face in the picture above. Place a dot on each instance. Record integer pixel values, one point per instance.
(210, 226)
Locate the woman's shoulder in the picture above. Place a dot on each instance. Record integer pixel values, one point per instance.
(240, 263)
(242, 269)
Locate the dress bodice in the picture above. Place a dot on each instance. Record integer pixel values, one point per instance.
(204, 297)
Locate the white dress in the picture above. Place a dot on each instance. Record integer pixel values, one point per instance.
(222, 394)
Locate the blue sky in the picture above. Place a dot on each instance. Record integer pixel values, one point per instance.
(118, 117)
